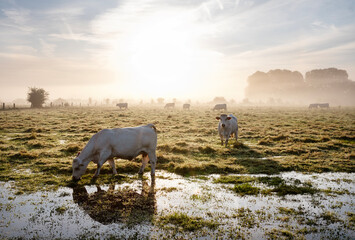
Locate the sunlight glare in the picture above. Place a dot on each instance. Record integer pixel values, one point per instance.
(163, 55)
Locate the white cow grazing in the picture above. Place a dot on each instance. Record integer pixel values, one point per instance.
(125, 143)
(227, 126)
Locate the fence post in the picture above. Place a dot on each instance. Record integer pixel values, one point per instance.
(14, 105)
(3, 106)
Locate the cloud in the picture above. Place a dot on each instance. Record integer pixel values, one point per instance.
(17, 16)
(28, 70)
(22, 49)
(47, 49)
(64, 12)
(18, 19)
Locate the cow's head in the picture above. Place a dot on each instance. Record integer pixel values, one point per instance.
(223, 119)
(78, 168)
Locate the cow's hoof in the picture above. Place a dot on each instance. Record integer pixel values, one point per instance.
(75, 179)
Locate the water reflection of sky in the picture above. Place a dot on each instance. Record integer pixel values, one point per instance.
(39, 215)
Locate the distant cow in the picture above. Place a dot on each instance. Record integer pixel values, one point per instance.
(323, 105)
(186, 106)
(220, 107)
(169, 105)
(125, 143)
(122, 105)
(319, 105)
(227, 126)
(313, 105)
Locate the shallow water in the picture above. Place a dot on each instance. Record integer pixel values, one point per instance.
(80, 212)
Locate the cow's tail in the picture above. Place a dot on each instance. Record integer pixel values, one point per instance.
(151, 125)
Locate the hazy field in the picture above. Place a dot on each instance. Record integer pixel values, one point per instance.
(37, 148)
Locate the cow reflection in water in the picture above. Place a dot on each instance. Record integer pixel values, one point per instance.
(122, 205)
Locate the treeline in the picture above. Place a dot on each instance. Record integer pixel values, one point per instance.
(321, 85)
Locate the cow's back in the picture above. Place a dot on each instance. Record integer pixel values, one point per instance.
(220, 106)
(233, 123)
(130, 141)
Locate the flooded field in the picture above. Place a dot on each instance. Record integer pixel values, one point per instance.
(179, 207)
(290, 175)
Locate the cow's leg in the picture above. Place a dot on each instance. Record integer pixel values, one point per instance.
(236, 135)
(153, 161)
(144, 163)
(103, 158)
(112, 164)
(227, 138)
(221, 136)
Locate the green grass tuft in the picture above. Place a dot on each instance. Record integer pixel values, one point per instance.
(285, 189)
(246, 189)
(186, 222)
(234, 179)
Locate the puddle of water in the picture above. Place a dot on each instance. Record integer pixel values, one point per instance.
(126, 210)
(23, 171)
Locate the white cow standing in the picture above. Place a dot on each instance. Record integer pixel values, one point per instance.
(227, 126)
(125, 143)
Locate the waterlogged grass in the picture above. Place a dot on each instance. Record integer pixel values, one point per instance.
(185, 222)
(245, 185)
(177, 207)
(246, 189)
(285, 189)
(38, 146)
(235, 179)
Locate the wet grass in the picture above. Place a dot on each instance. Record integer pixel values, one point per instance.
(245, 185)
(186, 222)
(246, 189)
(188, 208)
(40, 144)
(235, 179)
(286, 189)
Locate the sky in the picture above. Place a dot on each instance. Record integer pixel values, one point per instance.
(184, 49)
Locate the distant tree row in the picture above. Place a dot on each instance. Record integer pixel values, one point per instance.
(320, 85)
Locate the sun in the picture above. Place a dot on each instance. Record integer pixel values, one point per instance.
(163, 57)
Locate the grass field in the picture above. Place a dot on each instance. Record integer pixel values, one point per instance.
(37, 148)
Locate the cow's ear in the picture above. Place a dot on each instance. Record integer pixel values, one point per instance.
(218, 118)
(229, 118)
